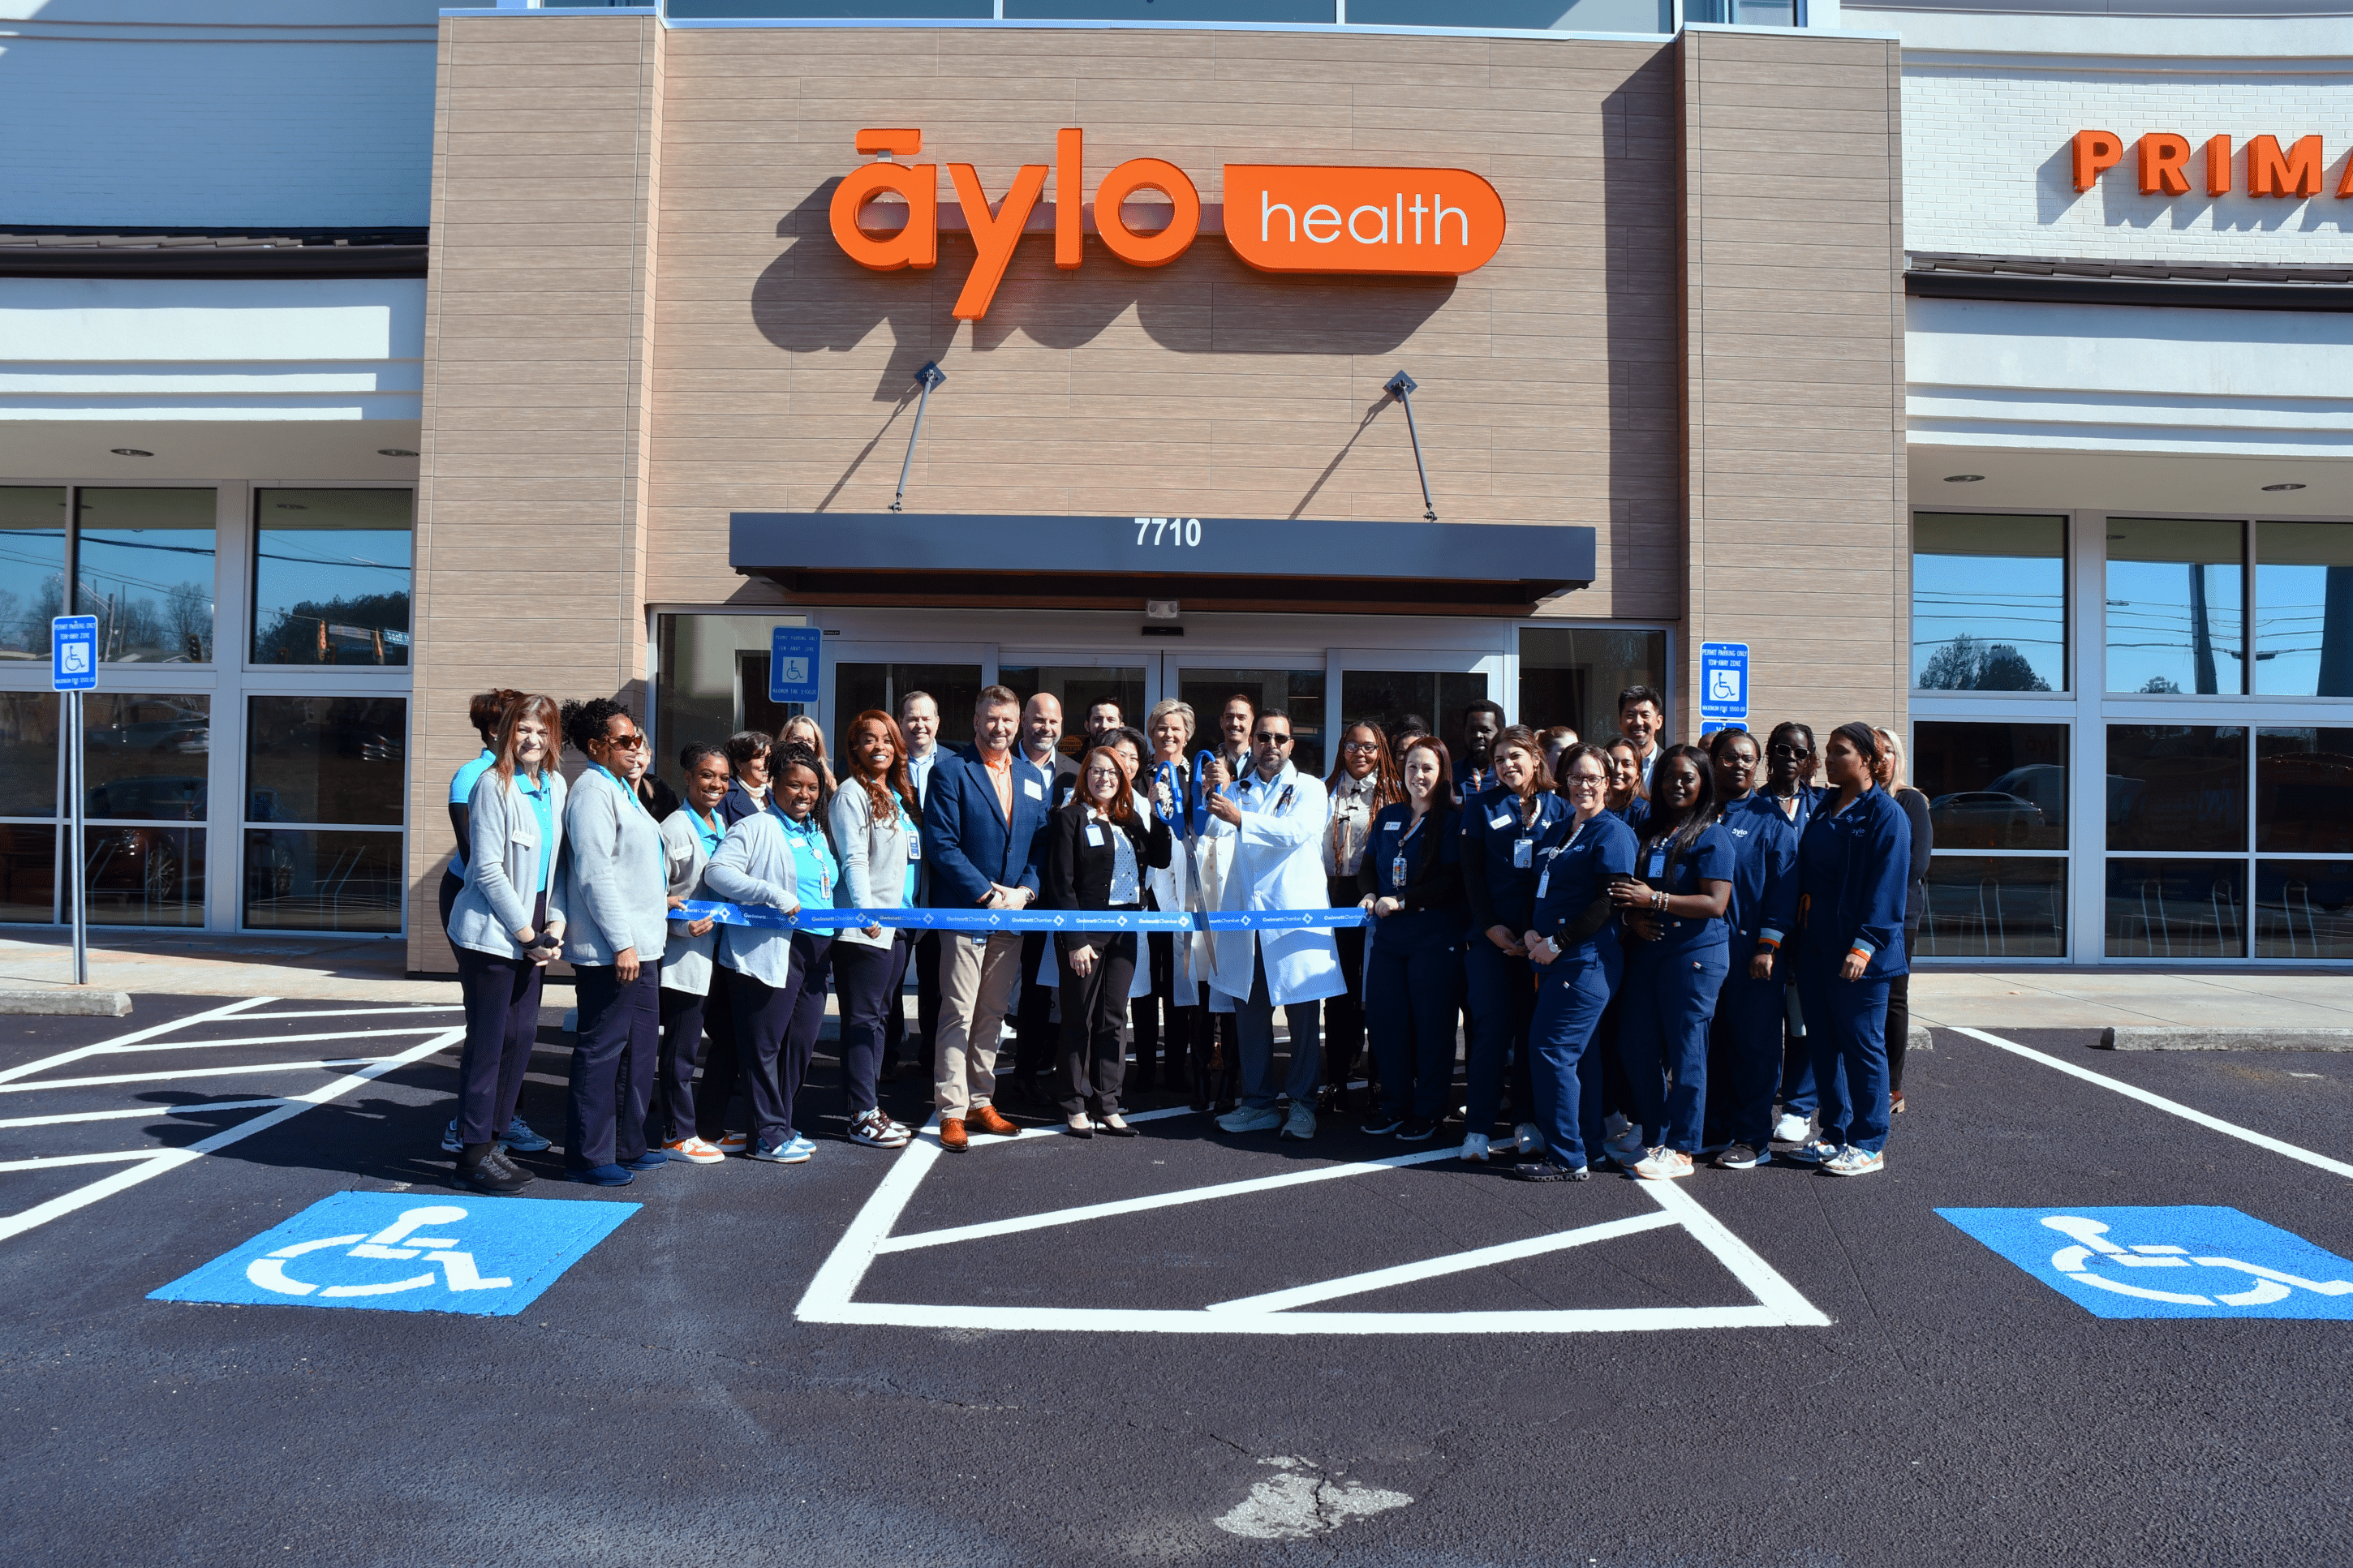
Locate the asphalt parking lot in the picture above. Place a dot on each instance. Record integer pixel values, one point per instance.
(1181, 1347)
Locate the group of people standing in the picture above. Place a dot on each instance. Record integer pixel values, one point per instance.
(1642, 949)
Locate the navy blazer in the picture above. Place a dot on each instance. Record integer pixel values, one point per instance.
(1852, 872)
(968, 843)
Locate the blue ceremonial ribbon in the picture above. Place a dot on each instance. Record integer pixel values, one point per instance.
(762, 916)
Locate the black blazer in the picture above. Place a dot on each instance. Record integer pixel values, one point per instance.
(1073, 874)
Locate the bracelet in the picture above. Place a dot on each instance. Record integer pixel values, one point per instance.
(1658, 900)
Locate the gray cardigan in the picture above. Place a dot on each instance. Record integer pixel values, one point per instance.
(686, 962)
(874, 858)
(615, 885)
(503, 866)
(755, 866)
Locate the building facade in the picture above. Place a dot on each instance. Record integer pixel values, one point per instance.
(546, 351)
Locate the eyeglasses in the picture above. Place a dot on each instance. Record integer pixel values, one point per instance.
(1360, 746)
(1269, 737)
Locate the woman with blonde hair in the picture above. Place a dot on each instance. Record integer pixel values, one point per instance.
(1170, 1014)
(1889, 773)
(802, 730)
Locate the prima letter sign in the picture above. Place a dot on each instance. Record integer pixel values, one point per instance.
(2161, 160)
(1278, 217)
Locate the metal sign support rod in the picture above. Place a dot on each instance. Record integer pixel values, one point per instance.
(1401, 387)
(930, 376)
(75, 857)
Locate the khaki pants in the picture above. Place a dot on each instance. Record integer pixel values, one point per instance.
(977, 985)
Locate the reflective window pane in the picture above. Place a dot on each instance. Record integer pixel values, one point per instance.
(32, 568)
(2304, 791)
(953, 688)
(1172, 10)
(1989, 602)
(1995, 906)
(2304, 608)
(331, 576)
(28, 754)
(1077, 688)
(144, 875)
(322, 881)
(1994, 786)
(1387, 696)
(2176, 909)
(1299, 693)
(325, 758)
(2173, 600)
(2176, 787)
(146, 573)
(145, 758)
(713, 680)
(2301, 908)
(1536, 16)
(1572, 676)
(29, 873)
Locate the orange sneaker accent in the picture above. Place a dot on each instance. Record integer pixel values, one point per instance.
(952, 1136)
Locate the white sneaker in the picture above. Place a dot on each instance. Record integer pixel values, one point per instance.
(1664, 1165)
(1853, 1162)
(1474, 1147)
(695, 1152)
(1301, 1123)
(1792, 1128)
(1260, 1118)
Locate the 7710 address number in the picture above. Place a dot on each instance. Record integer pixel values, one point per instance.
(1176, 533)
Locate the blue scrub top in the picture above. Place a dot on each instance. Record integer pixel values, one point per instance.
(1572, 864)
(1809, 797)
(462, 793)
(710, 829)
(1711, 858)
(542, 797)
(814, 866)
(1492, 830)
(1853, 870)
(1391, 834)
(1765, 876)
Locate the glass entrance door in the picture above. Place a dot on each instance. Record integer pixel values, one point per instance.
(1081, 681)
(1295, 684)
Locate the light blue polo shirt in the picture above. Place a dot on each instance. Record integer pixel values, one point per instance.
(462, 793)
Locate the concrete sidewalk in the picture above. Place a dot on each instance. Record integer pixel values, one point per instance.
(370, 968)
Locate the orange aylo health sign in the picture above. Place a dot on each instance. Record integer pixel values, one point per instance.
(1278, 217)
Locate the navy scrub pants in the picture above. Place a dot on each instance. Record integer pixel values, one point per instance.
(868, 979)
(1503, 1004)
(686, 1018)
(1846, 1025)
(502, 997)
(612, 1065)
(1799, 1096)
(1254, 1024)
(1663, 1036)
(1744, 1058)
(1571, 994)
(1412, 999)
(775, 1033)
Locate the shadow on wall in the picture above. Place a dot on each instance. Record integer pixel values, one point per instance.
(2122, 204)
(814, 299)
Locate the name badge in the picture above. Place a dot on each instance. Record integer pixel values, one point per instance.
(1397, 873)
(1543, 881)
(1502, 819)
(1657, 862)
(1094, 834)
(914, 844)
(1029, 787)
(1393, 827)
(1523, 852)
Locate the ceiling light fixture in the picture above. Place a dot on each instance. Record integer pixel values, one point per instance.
(394, 452)
(2286, 487)
(1963, 479)
(129, 452)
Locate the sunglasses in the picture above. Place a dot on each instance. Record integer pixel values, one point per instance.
(1269, 737)
(626, 743)
(1788, 752)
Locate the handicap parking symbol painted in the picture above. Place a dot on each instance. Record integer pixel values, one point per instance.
(2194, 1262)
(483, 1257)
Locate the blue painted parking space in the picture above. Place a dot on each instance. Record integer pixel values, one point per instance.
(391, 1252)
(2190, 1262)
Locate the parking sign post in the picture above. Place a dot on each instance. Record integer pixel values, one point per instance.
(73, 669)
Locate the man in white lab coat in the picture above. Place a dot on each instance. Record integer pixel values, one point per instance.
(1273, 818)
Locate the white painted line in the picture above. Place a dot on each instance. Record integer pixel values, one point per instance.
(144, 1113)
(370, 1012)
(229, 1009)
(272, 1040)
(202, 1072)
(1434, 1268)
(829, 1294)
(171, 1159)
(1763, 1281)
(48, 1161)
(2170, 1107)
(1157, 1201)
(1054, 1130)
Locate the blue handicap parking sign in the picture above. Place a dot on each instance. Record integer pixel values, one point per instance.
(2197, 1262)
(401, 1252)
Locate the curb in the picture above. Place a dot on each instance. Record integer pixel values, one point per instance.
(2159, 1037)
(65, 1003)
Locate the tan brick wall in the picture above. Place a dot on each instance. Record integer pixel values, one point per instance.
(1793, 331)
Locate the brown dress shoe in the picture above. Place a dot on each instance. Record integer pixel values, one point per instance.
(952, 1135)
(984, 1119)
